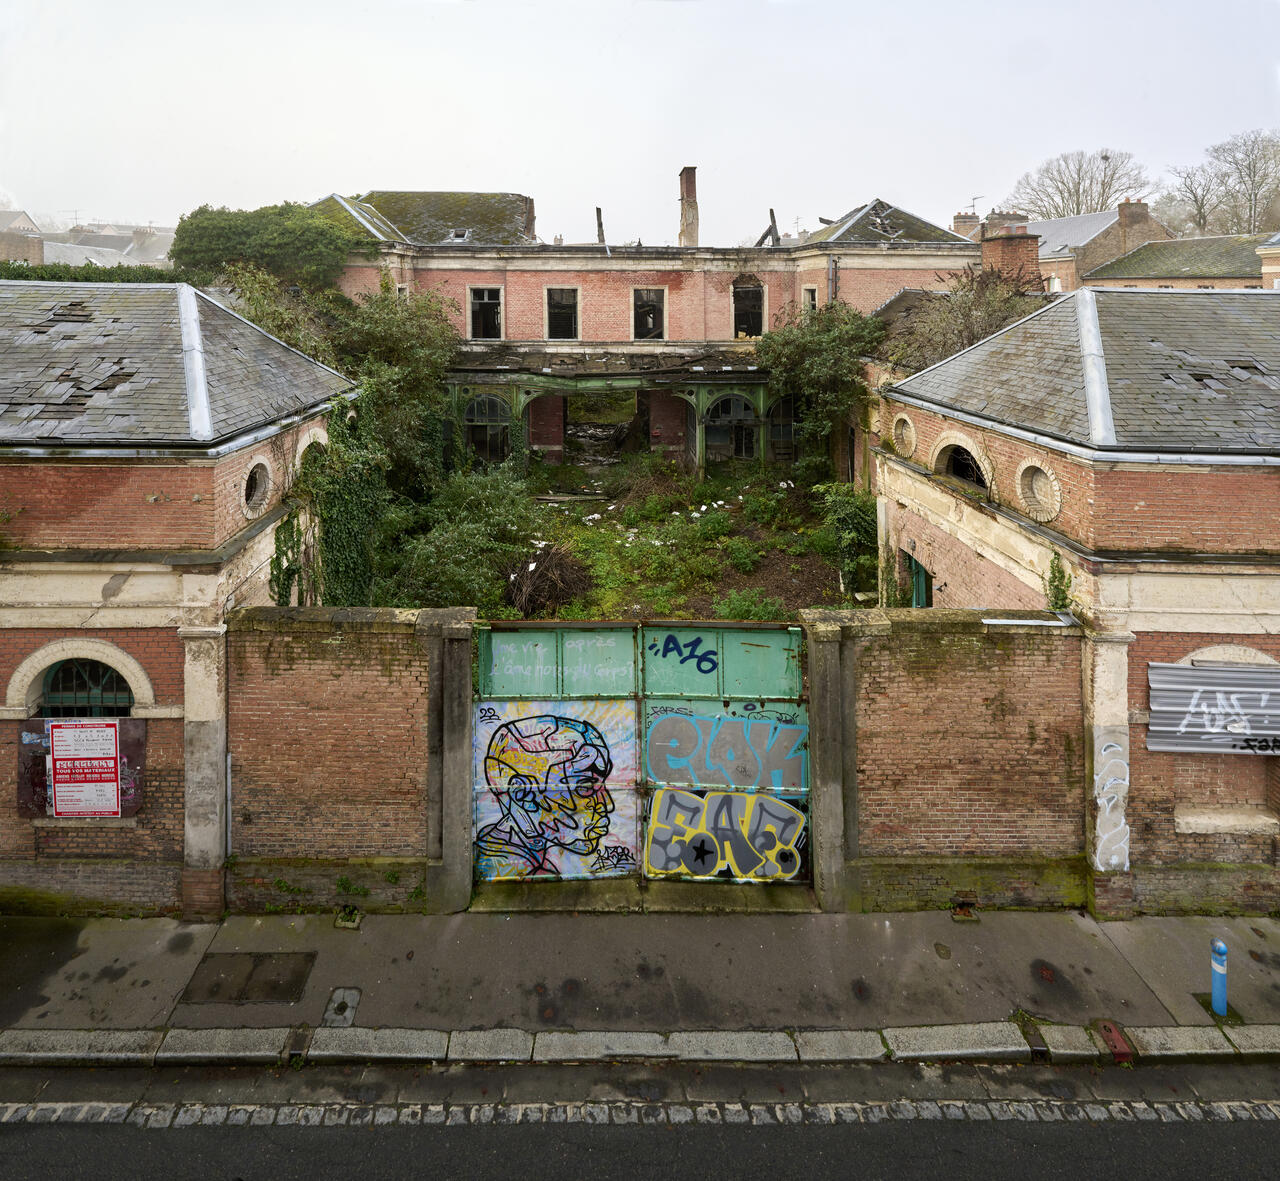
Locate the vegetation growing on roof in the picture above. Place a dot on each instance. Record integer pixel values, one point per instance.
(293, 242)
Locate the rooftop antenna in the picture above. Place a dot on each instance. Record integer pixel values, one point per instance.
(973, 203)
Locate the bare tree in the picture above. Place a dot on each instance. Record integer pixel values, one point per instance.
(1248, 165)
(1080, 182)
(1201, 191)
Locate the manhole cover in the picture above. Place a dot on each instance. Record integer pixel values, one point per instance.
(241, 978)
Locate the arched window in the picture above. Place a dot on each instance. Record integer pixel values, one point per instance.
(782, 430)
(731, 429)
(960, 463)
(488, 423)
(84, 689)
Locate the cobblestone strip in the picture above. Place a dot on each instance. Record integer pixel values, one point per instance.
(188, 1115)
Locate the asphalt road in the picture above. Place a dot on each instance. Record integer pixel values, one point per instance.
(990, 1151)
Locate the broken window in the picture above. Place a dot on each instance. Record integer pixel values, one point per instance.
(486, 313)
(488, 421)
(731, 429)
(649, 304)
(562, 313)
(960, 463)
(748, 310)
(809, 300)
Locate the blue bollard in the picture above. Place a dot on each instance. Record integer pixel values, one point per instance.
(1218, 977)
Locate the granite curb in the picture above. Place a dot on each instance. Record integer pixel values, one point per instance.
(999, 1041)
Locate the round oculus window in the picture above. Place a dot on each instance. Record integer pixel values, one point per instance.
(257, 487)
(1039, 492)
(904, 436)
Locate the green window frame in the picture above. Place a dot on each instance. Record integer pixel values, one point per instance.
(84, 689)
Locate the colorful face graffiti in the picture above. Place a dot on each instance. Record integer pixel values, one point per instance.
(548, 774)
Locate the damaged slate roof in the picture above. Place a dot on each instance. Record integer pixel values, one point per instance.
(1186, 371)
(878, 221)
(437, 219)
(1221, 256)
(698, 364)
(142, 365)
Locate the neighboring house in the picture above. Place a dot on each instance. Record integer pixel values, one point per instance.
(1072, 246)
(1135, 435)
(535, 316)
(1223, 261)
(147, 437)
(137, 245)
(19, 238)
(17, 221)
(1269, 253)
(75, 255)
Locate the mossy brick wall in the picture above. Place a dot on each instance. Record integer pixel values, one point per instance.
(327, 728)
(969, 738)
(92, 887)
(1161, 781)
(921, 883)
(1211, 888)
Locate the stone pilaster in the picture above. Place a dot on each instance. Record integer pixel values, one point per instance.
(1106, 684)
(205, 761)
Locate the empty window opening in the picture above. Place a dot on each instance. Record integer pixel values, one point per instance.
(809, 299)
(748, 311)
(257, 486)
(731, 429)
(486, 313)
(782, 430)
(85, 689)
(960, 463)
(562, 313)
(488, 424)
(650, 305)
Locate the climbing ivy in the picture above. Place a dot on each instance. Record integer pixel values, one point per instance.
(1057, 585)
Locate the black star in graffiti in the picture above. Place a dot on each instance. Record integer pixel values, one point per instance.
(702, 850)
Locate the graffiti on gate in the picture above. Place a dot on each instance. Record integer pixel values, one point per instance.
(705, 660)
(749, 836)
(554, 782)
(735, 751)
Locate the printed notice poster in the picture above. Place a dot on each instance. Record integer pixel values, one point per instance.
(84, 767)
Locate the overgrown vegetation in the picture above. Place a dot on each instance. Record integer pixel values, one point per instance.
(817, 356)
(978, 302)
(290, 241)
(62, 272)
(1057, 585)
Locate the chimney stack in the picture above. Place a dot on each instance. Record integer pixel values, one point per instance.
(689, 206)
(965, 224)
(1013, 252)
(1133, 217)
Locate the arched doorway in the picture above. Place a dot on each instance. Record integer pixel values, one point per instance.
(732, 429)
(487, 419)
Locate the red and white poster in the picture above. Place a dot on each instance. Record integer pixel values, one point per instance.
(84, 767)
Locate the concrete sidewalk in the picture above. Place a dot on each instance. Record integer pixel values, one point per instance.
(560, 987)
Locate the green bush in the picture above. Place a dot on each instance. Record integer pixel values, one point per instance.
(850, 513)
(749, 604)
(765, 508)
(741, 555)
(716, 523)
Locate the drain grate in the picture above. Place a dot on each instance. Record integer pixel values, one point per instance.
(243, 978)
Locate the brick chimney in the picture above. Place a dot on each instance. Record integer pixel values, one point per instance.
(689, 206)
(965, 224)
(1001, 217)
(1011, 249)
(1134, 217)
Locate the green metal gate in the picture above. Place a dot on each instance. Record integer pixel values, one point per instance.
(664, 749)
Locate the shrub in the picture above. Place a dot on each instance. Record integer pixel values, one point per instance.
(749, 604)
(546, 581)
(741, 555)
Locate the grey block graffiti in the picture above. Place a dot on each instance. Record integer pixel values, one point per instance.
(744, 834)
(734, 752)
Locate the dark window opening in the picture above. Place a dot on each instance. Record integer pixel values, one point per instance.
(488, 423)
(562, 313)
(649, 304)
(486, 313)
(748, 312)
(961, 464)
(810, 299)
(85, 689)
(782, 430)
(731, 429)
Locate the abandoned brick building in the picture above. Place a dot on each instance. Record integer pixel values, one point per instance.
(671, 326)
(147, 436)
(1134, 435)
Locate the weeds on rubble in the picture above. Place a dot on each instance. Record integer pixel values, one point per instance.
(749, 604)
(346, 886)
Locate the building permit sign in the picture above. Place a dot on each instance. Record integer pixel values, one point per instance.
(84, 767)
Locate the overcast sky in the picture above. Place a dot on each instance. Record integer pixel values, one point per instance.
(141, 110)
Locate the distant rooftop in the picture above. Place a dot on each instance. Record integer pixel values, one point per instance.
(436, 219)
(878, 221)
(1223, 256)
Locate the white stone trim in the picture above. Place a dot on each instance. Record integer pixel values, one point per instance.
(1227, 654)
(1031, 505)
(1097, 392)
(25, 686)
(906, 447)
(313, 434)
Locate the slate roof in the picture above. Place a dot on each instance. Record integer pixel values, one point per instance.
(1182, 371)
(1223, 256)
(1059, 235)
(693, 364)
(103, 364)
(358, 217)
(76, 254)
(878, 221)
